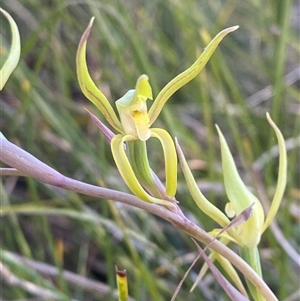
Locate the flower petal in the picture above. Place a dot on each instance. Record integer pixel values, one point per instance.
(88, 87)
(133, 110)
(127, 173)
(141, 122)
(202, 202)
(14, 53)
(187, 75)
(227, 266)
(170, 158)
(282, 175)
(241, 198)
(143, 88)
(231, 271)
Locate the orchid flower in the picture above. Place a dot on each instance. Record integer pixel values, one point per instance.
(247, 235)
(14, 53)
(133, 126)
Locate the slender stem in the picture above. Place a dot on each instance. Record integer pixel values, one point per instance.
(30, 166)
(179, 221)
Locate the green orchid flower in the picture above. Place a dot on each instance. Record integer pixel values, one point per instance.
(247, 234)
(133, 126)
(14, 53)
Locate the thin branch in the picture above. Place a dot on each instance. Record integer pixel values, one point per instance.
(16, 157)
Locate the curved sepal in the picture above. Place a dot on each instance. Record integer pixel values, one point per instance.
(127, 173)
(187, 75)
(14, 53)
(89, 88)
(282, 176)
(170, 158)
(240, 198)
(202, 202)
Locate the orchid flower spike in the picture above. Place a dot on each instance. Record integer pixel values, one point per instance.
(248, 233)
(134, 125)
(240, 197)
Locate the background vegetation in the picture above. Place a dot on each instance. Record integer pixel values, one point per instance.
(255, 70)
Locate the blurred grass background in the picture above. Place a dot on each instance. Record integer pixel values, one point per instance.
(256, 69)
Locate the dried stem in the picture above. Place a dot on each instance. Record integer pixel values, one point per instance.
(30, 166)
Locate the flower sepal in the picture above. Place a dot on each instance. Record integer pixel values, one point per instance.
(14, 53)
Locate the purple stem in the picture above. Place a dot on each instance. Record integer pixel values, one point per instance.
(28, 165)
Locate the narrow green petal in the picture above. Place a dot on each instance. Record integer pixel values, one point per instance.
(202, 202)
(203, 271)
(127, 173)
(227, 266)
(231, 271)
(282, 175)
(14, 53)
(170, 158)
(187, 75)
(241, 198)
(88, 87)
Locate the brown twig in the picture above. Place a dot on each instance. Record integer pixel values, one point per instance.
(27, 164)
